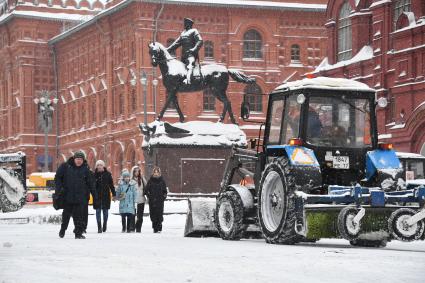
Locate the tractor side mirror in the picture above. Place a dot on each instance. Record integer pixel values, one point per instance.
(245, 110)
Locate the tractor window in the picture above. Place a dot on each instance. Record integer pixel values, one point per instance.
(338, 121)
(276, 120)
(417, 167)
(291, 122)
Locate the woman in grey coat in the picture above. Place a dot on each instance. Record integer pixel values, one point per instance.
(137, 176)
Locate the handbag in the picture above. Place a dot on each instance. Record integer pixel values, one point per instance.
(121, 196)
(58, 200)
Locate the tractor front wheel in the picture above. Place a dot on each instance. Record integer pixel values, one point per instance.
(229, 216)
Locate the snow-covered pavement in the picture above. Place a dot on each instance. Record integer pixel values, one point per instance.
(34, 253)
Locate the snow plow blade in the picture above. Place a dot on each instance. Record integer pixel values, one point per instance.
(200, 218)
(12, 181)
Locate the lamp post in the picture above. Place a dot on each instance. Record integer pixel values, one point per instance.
(155, 84)
(45, 104)
(144, 82)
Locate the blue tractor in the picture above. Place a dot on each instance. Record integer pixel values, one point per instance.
(319, 172)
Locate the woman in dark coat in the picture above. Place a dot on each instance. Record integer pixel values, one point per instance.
(156, 191)
(102, 198)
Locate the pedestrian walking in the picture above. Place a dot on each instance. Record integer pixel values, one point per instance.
(102, 198)
(156, 191)
(137, 176)
(75, 181)
(126, 194)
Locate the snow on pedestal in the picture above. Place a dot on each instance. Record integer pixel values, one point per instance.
(195, 133)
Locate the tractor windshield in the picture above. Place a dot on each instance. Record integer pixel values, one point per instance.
(338, 121)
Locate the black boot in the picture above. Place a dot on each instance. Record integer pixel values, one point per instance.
(61, 233)
(79, 236)
(104, 226)
(99, 227)
(124, 227)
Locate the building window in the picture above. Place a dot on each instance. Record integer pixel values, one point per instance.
(252, 45)
(169, 42)
(253, 97)
(121, 97)
(209, 100)
(133, 100)
(209, 49)
(93, 110)
(295, 53)
(104, 109)
(344, 32)
(399, 7)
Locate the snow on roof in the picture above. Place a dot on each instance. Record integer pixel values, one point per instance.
(227, 3)
(409, 155)
(199, 133)
(326, 83)
(365, 53)
(45, 15)
(247, 4)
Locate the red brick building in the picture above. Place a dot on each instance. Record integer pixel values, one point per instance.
(382, 43)
(93, 56)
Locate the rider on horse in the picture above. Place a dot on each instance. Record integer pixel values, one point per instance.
(190, 40)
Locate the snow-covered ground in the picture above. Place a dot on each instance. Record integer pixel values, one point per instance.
(34, 253)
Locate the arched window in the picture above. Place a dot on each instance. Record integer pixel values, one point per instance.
(253, 97)
(399, 7)
(169, 42)
(208, 100)
(344, 32)
(209, 49)
(295, 53)
(252, 45)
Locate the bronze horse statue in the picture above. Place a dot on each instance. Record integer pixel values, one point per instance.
(214, 77)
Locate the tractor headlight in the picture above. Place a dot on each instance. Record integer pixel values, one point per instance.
(300, 98)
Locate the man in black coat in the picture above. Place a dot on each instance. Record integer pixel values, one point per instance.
(75, 180)
(156, 191)
(102, 198)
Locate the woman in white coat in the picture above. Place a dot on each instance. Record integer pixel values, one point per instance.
(137, 176)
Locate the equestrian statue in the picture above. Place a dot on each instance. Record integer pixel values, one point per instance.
(187, 76)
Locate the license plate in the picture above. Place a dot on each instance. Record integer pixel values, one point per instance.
(341, 162)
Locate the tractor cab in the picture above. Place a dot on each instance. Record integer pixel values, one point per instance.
(337, 123)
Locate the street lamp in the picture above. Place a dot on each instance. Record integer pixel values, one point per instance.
(45, 113)
(143, 77)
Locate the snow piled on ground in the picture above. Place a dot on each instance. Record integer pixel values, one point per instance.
(35, 253)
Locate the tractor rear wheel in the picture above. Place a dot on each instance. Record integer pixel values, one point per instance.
(229, 216)
(276, 204)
